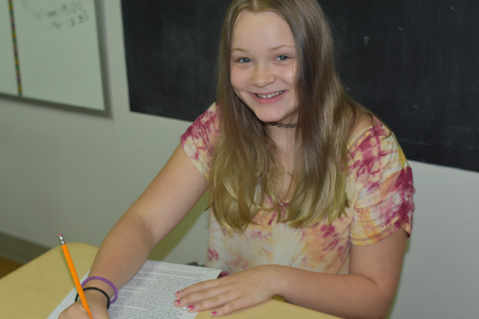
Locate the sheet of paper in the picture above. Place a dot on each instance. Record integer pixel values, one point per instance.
(150, 293)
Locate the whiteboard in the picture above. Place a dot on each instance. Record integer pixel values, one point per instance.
(58, 56)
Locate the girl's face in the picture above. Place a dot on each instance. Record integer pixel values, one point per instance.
(263, 66)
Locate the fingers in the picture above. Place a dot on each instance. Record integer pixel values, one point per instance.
(202, 295)
(219, 304)
(231, 306)
(227, 294)
(221, 297)
(76, 311)
(198, 287)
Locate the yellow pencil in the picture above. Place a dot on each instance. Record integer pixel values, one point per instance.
(66, 252)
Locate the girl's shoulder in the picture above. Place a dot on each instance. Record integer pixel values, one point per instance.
(374, 145)
(367, 127)
(200, 138)
(206, 126)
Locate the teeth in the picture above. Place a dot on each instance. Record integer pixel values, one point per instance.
(269, 95)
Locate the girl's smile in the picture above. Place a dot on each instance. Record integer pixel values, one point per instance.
(268, 98)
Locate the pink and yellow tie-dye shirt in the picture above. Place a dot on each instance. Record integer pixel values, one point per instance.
(379, 187)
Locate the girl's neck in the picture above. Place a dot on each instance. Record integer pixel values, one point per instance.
(284, 138)
(286, 147)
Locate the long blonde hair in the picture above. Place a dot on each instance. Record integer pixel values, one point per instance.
(245, 166)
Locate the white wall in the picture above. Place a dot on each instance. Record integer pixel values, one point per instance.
(440, 276)
(73, 173)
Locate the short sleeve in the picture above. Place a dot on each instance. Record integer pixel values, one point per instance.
(382, 189)
(198, 141)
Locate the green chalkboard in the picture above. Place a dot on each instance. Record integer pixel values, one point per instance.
(415, 64)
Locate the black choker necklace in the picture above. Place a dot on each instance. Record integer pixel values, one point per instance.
(283, 125)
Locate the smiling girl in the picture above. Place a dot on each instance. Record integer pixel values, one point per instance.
(310, 194)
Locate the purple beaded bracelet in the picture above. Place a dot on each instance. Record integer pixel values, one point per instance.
(115, 297)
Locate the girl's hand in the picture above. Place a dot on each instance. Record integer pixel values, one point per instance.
(97, 304)
(227, 294)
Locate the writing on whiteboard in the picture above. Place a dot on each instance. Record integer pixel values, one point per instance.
(57, 14)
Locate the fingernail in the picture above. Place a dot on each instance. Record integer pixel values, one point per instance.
(191, 307)
(177, 293)
(177, 302)
(213, 313)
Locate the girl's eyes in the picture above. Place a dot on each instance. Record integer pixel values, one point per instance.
(243, 60)
(282, 58)
(278, 58)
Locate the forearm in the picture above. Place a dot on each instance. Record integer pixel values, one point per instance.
(122, 253)
(346, 296)
(157, 211)
(163, 204)
(366, 292)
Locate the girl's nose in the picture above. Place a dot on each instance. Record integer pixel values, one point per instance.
(262, 76)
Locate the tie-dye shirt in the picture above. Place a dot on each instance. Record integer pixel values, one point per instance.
(379, 188)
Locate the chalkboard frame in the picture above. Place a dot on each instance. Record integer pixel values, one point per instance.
(72, 107)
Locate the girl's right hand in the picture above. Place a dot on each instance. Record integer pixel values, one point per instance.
(97, 304)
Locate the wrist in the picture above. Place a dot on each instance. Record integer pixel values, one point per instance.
(275, 276)
(99, 291)
(103, 284)
(279, 278)
(97, 303)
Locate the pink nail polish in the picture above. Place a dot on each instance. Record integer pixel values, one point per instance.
(214, 313)
(177, 302)
(191, 307)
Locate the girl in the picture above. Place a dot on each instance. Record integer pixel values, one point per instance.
(310, 194)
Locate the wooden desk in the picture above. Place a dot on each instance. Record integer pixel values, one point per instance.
(34, 290)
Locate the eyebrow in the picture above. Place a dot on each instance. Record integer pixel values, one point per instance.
(272, 49)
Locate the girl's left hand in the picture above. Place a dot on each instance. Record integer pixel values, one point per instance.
(230, 293)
